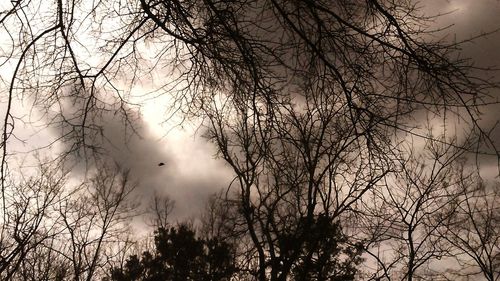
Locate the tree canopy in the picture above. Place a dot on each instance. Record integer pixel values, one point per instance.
(179, 255)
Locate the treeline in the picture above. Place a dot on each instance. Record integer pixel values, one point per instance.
(54, 230)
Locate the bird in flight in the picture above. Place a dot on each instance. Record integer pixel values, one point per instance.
(161, 164)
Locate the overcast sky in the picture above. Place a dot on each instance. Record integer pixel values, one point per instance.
(469, 19)
(191, 173)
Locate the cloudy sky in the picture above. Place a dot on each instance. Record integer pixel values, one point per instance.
(191, 173)
(471, 18)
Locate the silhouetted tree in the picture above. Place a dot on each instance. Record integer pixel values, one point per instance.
(29, 224)
(326, 254)
(160, 209)
(474, 229)
(314, 250)
(54, 230)
(406, 215)
(95, 221)
(180, 255)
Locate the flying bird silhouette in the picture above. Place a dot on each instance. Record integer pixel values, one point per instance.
(161, 164)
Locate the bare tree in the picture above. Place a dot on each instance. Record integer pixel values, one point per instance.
(473, 230)
(28, 218)
(54, 230)
(160, 208)
(405, 218)
(95, 222)
(44, 262)
(299, 169)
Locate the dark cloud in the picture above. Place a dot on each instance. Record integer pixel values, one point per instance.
(189, 174)
(466, 20)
